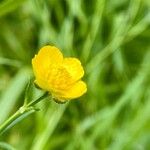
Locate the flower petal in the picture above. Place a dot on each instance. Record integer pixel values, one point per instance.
(48, 55)
(43, 62)
(74, 67)
(77, 90)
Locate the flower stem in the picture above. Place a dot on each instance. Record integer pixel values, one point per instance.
(21, 113)
(32, 103)
(14, 118)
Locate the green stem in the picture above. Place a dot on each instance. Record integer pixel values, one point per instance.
(21, 113)
(32, 103)
(6, 125)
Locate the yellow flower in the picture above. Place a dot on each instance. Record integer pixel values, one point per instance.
(60, 76)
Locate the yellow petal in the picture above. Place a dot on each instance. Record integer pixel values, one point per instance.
(47, 55)
(47, 58)
(77, 90)
(50, 54)
(74, 67)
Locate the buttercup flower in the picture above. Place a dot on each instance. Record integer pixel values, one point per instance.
(60, 76)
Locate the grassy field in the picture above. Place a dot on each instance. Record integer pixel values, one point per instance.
(112, 40)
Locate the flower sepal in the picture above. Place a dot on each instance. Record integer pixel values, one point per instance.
(59, 101)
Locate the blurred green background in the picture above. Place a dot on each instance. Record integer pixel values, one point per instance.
(112, 40)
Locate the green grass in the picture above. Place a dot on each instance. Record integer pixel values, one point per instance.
(112, 40)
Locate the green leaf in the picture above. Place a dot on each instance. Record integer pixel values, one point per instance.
(28, 91)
